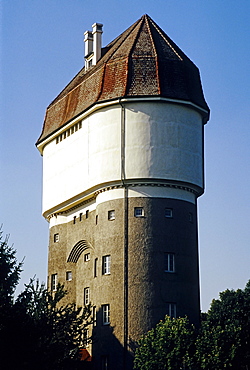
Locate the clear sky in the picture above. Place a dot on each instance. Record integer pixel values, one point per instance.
(42, 49)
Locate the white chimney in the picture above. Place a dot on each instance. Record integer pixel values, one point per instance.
(97, 41)
(88, 39)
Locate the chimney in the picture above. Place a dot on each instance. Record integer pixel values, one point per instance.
(97, 41)
(88, 39)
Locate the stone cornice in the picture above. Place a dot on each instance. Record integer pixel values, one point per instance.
(129, 184)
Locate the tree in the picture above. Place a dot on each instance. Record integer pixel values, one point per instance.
(36, 330)
(10, 271)
(168, 346)
(224, 338)
(222, 341)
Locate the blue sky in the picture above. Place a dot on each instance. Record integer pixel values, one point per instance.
(42, 49)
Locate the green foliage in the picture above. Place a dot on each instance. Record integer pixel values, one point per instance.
(224, 338)
(36, 330)
(168, 346)
(222, 341)
(55, 331)
(10, 271)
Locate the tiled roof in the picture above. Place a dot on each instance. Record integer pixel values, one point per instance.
(142, 61)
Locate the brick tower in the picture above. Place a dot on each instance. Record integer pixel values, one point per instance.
(123, 166)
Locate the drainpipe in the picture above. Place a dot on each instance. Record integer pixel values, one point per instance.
(125, 230)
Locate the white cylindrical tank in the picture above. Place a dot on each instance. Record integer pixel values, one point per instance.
(163, 141)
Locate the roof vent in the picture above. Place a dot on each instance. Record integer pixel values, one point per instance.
(93, 45)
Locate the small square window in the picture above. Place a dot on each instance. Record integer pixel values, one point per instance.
(111, 215)
(56, 238)
(105, 314)
(86, 298)
(53, 282)
(139, 212)
(87, 257)
(68, 275)
(169, 212)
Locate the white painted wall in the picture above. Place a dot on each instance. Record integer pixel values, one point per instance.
(162, 140)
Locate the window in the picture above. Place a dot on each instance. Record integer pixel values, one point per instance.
(80, 217)
(68, 275)
(53, 282)
(56, 238)
(96, 219)
(169, 212)
(86, 296)
(85, 338)
(74, 220)
(106, 265)
(171, 310)
(190, 217)
(105, 314)
(87, 257)
(104, 363)
(87, 213)
(95, 267)
(138, 212)
(169, 263)
(111, 215)
(94, 315)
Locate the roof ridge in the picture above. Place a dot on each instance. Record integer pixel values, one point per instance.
(163, 35)
(147, 19)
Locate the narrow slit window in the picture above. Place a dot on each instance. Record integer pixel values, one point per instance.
(86, 298)
(105, 314)
(106, 261)
(171, 310)
(169, 262)
(95, 267)
(53, 282)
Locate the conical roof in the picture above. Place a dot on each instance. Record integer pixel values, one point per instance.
(142, 62)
